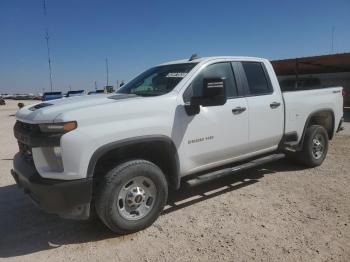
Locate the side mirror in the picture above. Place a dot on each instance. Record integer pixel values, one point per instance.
(213, 93)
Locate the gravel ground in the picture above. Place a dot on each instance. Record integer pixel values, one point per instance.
(279, 212)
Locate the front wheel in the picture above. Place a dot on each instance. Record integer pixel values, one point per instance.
(131, 196)
(315, 146)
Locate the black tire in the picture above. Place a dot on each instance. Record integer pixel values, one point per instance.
(307, 156)
(109, 189)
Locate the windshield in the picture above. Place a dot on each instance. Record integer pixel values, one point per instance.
(158, 80)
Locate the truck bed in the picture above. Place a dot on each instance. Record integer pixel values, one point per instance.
(299, 105)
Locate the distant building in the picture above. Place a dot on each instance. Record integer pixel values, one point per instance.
(315, 71)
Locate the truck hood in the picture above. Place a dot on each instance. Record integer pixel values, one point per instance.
(47, 111)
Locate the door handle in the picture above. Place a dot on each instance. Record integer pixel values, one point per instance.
(238, 110)
(275, 105)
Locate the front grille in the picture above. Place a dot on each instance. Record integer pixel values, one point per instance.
(26, 151)
(27, 127)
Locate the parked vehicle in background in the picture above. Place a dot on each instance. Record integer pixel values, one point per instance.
(38, 96)
(23, 96)
(109, 89)
(75, 93)
(190, 120)
(6, 96)
(51, 96)
(100, 91)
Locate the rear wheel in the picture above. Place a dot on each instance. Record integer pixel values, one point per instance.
(131, 196)
(315, 146)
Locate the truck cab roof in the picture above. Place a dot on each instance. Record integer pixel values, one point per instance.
(210, 58)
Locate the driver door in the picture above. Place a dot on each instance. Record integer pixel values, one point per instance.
(217, 134)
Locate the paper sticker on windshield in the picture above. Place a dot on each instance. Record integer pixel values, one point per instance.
(176, 75)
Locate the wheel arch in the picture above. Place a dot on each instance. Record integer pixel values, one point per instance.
(158, 149)
(324, 117)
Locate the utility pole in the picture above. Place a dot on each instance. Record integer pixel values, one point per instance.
(48, 47)
(107, 70)
(48, 57)
(333, 29)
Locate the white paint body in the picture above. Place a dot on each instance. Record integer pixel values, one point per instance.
(256, 131)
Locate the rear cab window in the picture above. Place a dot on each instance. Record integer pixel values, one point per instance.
(257, 79)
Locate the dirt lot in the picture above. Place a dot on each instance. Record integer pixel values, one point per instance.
(280, 212)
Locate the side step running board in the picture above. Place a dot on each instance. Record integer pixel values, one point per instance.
(232, 170)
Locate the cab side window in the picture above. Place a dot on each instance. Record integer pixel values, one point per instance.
(218, 70)
(258, 82)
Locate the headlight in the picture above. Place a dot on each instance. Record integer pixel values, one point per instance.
(58, 127)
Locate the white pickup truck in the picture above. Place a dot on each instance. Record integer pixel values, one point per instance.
(186, 121)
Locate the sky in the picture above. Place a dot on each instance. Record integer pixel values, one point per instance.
(135, 35)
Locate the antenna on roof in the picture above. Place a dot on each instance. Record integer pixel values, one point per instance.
(193, 57)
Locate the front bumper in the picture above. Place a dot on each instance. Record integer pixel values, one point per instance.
(67, 198)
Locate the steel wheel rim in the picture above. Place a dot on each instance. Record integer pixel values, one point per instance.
(318, 146)
(136, 198)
